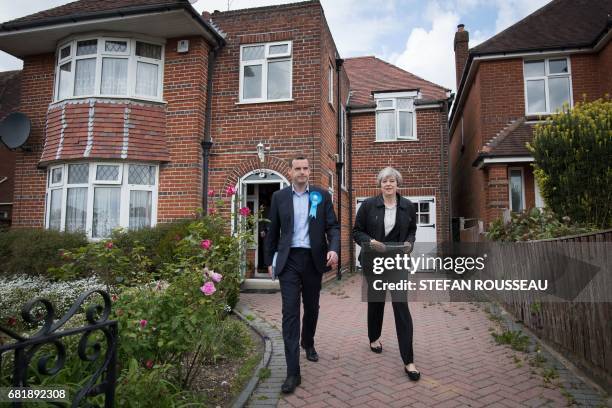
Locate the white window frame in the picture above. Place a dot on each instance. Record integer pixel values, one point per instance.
(394, 97)
(126, 188)
(523, 202)
(288, 56)
(130, 55)
(545, 78)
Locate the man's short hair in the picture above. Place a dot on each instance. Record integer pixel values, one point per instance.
(298, 157)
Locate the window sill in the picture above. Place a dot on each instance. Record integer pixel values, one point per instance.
(106, 98)
(396, 140)
(258, 102)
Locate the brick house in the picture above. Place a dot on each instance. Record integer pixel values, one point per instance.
(10, 83)
(559, 54)
(398, 119)
(140, 107)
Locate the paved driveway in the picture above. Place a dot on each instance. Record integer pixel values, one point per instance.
(460, 363)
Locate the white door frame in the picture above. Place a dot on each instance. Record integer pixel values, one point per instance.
(241, 189)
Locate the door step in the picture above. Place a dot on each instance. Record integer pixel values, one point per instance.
(260, 285)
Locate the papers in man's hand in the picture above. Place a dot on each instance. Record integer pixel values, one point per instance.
(274, 266)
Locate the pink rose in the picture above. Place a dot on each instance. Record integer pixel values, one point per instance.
(208, 288)
(216, 277)
(114, 298)
(212, 211)
(149, 364)
(230, 191)
(109, 245)
(143, 323)
(211, 192)
(206, 244)
(245, 211)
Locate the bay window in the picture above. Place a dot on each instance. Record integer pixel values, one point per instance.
(113, 67)
(265, 72)
(547, 85)
(95, 198)
(395, 118)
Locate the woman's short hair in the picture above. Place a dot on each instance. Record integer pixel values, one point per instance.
(388, 172)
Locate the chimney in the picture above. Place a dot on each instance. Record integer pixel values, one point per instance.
(206, 15)
(462, 38)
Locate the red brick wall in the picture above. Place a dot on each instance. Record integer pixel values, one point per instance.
(501, 95)
(423, 163)
(468, 183)
(307, 125)
(496, 191)
(36, 94)
(585, 77)
(180, 180)
(285, 127)
(605, 66)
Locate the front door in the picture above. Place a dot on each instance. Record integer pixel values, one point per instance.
(426, 240)
(256, 191)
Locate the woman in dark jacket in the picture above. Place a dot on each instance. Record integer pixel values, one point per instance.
(388, 218)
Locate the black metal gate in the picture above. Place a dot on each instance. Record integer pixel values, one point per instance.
(24, 349)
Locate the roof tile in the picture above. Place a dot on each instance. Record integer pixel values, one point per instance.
(370, 74)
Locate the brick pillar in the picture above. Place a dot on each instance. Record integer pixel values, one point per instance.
(180, 180)
(36, 95)
(497, 191)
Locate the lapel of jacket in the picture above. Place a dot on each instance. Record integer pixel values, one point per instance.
(379, 211)
(290, 205)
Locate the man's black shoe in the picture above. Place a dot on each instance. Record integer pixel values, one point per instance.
(290, 383)
(311, 353)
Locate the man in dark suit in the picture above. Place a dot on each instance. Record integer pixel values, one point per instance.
(304, 236)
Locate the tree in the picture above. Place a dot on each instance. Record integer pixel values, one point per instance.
(573, 155)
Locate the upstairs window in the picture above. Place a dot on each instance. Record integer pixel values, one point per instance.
(113, 67)
(265, 72)
(395, 118)
(547, 85)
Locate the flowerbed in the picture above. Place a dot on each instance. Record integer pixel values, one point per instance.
(173, 315)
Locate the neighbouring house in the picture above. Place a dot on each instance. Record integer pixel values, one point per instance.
(398, 119)
(10, 83)
(140, 108)
(560, 54)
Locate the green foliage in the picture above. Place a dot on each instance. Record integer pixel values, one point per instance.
(517, 340)
(33, 251)
(113, 265)
(533, 225)
(159, 242)
(573, 156)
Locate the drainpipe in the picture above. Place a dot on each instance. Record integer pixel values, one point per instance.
(339, 164)
(349, 150)
(207, 142)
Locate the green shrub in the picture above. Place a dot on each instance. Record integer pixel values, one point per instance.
(573, 166)
(34, 251)
(533, 225)
(113, 265)
(158, 243)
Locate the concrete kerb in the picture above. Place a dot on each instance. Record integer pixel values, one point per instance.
(247, 391)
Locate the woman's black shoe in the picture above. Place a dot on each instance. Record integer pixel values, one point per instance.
(413, 375)
(377, 349)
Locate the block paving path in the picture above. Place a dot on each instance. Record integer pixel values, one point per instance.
(460, 363)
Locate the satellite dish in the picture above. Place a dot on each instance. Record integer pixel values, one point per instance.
(14, 130)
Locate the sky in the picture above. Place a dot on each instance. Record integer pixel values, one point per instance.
(416, 35)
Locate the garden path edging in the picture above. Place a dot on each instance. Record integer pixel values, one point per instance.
(263, 330)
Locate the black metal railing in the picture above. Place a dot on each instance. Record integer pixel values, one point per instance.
(104, 359)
